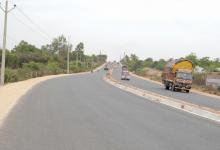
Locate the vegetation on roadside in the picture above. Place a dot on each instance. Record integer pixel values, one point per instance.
(152, 69)
(26, 61)
(134, 63)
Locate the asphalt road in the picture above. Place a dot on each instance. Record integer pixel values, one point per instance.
(84, 113)
(191, 97)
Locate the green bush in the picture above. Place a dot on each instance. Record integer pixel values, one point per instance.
(73, 67)
(53, 68)
(26, 61)
(33, 66)
(10, 75)
(141, 71)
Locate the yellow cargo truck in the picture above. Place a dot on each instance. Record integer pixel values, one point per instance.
(177, 75)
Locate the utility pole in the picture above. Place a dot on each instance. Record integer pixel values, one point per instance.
(68, 58)
(6, 11)
(77, 59)
(92, 63)
(80, 57)
(86, 62)
(100, 53)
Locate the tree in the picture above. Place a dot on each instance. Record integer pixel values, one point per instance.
(160, 64)
(58, 46)
(192, 57)
(79, 51)
(102, 58)
(12, 60)
(125, 60)
(205, 62)
(25, 53)
(26, 58)
(79, 47)
(135, 63)
(148, 62)
(25, 47)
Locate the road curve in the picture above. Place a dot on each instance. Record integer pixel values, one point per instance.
(84, 113)
(191, 97)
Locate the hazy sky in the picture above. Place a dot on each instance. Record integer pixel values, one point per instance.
(148, 28)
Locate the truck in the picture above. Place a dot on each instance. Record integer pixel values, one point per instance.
(177, 75)
(125, 73)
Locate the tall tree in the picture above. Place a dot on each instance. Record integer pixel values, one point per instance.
(80, 47)
(193, 58)
(59, 46)
(79, 51)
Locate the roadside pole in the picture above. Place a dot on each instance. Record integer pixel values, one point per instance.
(68, 57)
(68, 60)
(77, 59)
(92, 64)
(6, 11)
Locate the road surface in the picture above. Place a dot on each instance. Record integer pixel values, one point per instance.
(191, 97)
(83, 112)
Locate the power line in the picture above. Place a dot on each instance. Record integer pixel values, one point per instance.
(30, 27)
(12, 39)
(34, 23)
(37, 28)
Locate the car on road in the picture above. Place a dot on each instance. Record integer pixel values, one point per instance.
(106, 68)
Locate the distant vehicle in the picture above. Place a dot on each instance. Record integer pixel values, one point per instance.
(106, 68)
(125, 73)
(177, 75)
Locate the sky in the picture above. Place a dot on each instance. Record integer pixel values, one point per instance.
(147, 28)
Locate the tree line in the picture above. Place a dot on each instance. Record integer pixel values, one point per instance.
(206, 64)
(135, 64)
(26, 60)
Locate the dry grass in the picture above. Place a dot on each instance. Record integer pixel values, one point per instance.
(152, 74)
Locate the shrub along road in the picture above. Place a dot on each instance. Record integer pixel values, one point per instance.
(82, 112)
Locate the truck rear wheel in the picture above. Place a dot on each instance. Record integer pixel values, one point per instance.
(187, 91)
(167, 87)
(173, 88)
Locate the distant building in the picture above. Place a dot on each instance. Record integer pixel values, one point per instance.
(213, 80)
